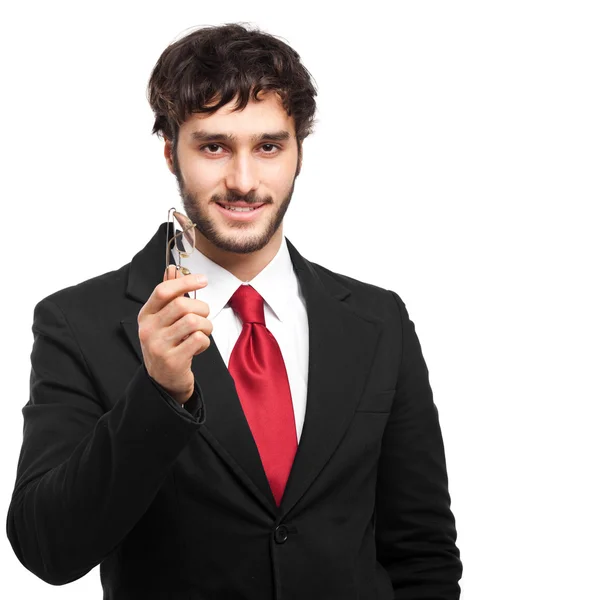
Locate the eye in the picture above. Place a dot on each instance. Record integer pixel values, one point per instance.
(210, 146)
(271, 148)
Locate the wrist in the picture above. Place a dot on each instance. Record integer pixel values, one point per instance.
(185, 397)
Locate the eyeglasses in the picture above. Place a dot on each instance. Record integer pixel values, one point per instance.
(183, 240)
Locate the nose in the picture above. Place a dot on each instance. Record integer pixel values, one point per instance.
(242, 175)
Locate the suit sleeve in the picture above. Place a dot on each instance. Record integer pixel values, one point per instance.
(85, 475)
(415, 529)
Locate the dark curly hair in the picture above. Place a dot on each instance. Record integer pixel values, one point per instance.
(211, 66)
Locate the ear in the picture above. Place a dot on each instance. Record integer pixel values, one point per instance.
(299, 167)
(168, 152)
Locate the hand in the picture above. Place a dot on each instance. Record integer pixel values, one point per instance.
(172, 330)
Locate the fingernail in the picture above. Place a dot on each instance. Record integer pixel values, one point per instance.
(201, 279)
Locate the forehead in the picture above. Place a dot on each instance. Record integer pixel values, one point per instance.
(265, 115)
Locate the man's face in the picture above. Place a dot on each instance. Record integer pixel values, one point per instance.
(213, 170)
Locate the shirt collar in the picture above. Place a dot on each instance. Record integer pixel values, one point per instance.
(276, 283)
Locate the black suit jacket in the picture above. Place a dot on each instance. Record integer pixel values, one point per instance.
(173, 502)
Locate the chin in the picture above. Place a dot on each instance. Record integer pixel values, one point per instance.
(242, 240)
(241, 246)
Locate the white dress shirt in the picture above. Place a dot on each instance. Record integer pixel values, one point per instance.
(285, 315)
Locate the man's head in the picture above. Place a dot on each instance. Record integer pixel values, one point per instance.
(233, 106)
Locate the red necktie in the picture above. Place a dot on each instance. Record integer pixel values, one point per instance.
(257, 367)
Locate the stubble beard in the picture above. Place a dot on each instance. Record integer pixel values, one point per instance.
(206, 226)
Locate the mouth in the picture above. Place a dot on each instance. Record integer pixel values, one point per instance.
(242, 212)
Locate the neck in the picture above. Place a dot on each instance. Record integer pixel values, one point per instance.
(244, 266)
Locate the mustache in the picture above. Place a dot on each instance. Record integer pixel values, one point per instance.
(250, 199)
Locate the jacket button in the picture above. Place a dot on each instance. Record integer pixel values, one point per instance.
(281, 534)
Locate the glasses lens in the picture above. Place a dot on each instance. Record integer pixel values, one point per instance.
(186, 241)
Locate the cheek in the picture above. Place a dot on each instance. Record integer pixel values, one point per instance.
(281, 175)
(197, 174)
(200, 180)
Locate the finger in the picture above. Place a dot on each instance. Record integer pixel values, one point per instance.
(166, 291)
(170, 273)
(184, 327)
(178, 308)
(194, 344)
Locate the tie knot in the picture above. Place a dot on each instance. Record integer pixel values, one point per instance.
(248, 304)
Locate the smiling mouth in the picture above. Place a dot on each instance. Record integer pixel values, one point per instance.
(247, 214)
(242, 208)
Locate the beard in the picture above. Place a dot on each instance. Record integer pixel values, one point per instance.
(207, 226)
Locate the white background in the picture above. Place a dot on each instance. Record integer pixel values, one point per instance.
(455, 161)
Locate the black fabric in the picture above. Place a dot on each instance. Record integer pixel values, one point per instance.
(172, 501)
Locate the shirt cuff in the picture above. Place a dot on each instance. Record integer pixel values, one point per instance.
(195, 406)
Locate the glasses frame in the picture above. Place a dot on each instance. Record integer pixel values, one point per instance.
(172, 216)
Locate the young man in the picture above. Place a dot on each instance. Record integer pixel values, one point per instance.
(273, 437)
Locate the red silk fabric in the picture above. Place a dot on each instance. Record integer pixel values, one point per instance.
(257, 367)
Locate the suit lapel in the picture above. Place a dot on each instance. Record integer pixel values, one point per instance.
(341, 348)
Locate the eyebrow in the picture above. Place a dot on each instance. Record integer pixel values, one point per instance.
(205, 136)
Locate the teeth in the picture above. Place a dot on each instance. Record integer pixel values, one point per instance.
(239, 208)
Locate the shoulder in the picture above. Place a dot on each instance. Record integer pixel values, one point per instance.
(370, 299)
(99, 295)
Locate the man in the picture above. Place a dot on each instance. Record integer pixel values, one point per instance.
(273, 437)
